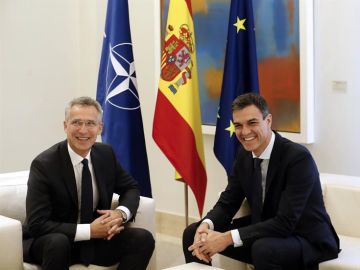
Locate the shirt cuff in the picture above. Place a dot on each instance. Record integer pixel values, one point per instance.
(127, 212)
(210, 223)
(83, 232)
(235, 235)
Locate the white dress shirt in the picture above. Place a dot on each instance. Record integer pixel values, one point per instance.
(83, 230)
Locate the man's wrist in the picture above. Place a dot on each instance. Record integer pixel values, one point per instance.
(235, 235)
(123, 215)
(229, 240)
(209, 223)
(205, 224)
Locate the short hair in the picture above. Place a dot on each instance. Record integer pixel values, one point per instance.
(244, 100)
(84, 101)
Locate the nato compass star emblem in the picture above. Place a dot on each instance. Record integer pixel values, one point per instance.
(121, 86)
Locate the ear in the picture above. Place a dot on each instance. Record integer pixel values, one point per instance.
(101, 125)
(268, 119)
(65, 126)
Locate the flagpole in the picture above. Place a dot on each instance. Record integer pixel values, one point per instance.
(179, 86)
(186, 204)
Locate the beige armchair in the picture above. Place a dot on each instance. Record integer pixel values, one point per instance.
(13, 188)
(342, 200)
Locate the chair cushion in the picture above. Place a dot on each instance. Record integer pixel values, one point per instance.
(348, 258)
(28, 266)
(13, 188)
(10, 244)
(341, 195)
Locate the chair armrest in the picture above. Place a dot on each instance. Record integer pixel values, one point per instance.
(11, 251)
(145, 216)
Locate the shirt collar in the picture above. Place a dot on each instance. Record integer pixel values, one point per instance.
(267, 152)
(75, 158)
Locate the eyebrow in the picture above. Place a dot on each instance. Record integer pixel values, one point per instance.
(247, 121)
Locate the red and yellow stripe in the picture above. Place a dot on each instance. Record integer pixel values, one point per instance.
(177, 120)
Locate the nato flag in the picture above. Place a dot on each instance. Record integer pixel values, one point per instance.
(118, 96)
(240, 76)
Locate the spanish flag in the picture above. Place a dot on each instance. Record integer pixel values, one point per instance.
(177, 120)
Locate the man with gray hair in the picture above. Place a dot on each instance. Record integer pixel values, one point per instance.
(69, 196)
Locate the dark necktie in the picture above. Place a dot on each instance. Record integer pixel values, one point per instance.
(86, 211)
(256, 207)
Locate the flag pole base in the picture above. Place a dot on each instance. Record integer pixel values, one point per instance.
(186, 204)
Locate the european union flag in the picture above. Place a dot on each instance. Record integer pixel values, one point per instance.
(240, 76)
(118, 96)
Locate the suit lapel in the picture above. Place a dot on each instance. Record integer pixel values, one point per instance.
(274, 162)
(100, 172)
(245, 170)
(68, 170)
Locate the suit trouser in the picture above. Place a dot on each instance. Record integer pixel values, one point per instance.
(264, 254)
(132, 248)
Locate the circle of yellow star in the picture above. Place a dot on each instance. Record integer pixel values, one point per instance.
(231, 128)
(239, 24)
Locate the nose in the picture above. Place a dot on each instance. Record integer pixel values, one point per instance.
(245, 130)
(83, 128)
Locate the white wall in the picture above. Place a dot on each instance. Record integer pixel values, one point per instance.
(337, 58)
(49, 53)
(39, 71)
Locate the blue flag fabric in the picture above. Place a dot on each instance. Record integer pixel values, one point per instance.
(118, 96)
(240, 76)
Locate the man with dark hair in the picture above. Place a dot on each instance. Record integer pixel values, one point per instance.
(69, 196)
(289, 227)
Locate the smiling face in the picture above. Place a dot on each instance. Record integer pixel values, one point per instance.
(82, 126)
(252, 129)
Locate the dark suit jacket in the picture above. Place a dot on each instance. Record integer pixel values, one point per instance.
(293, 204)
(51, 201)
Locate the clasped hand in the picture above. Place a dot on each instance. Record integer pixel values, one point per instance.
(107, 225)
(208, 242)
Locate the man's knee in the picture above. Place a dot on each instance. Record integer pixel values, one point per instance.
(148, 238)
(188, 238)
(58, 243)
(262, 254)
(52, 251)
(284, 252)
(261, 249)
(145, 238)
(189, 233)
